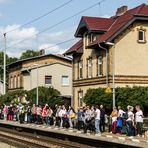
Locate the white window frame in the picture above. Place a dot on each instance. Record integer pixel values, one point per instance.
(81, 69)
(80, 101)
(68, 82)
(90, 68)
(143, 35)
(100, 63)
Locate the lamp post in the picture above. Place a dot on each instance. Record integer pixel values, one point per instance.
(113, 70)
(4, 64)
(37, 88)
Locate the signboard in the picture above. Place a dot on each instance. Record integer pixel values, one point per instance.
(108, 90)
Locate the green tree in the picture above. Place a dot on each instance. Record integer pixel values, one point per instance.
(8, 61)
(46, 95)
(124, 96)
(29, 54)
(10, 97)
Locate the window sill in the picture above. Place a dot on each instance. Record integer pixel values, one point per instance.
(100, 75)
(65, 85)
(80, 78)
(141, 42)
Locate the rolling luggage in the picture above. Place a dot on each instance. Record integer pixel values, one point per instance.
(114, 125)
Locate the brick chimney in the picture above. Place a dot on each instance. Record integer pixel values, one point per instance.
(121, 10)
(42, 52)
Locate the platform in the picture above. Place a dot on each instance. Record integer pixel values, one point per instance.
(74, 135)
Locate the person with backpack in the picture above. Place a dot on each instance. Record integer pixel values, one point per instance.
(71, 115)
(120, 119)
(130, 122)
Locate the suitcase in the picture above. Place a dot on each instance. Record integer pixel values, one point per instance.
(114, 127)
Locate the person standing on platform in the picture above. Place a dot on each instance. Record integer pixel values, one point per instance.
(44, 113)
(79, 118)
(34, 113)
(62, 115)
(139, 120)
(5, 111)
(102, 118)
(29, 114)
(130, 122)
(39, 113)
(57, 117)
(97, 121)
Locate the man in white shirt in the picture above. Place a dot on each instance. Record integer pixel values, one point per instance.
(97, 121)
(139, 120)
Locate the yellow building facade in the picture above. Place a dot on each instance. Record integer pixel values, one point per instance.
(92, 55)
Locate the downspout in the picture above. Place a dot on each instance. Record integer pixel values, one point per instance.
(107, 75)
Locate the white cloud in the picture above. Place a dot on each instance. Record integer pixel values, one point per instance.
(30, 41)
(50, 48)
(105, 16)
(3, 1)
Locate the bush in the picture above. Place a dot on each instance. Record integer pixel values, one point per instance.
(12, 97)
(46, 95)
(49, 95)
(124, 96)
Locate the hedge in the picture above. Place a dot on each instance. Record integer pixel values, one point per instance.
(124, 96)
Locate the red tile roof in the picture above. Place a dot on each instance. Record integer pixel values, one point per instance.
(122, 20)
(98, 23)
(75, 47)
(110, 25)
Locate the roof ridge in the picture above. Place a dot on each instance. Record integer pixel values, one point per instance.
(140, 7)
(96, 17)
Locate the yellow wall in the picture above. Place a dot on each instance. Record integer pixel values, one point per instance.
(131, 57)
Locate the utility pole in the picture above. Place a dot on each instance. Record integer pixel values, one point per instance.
(37, 88)
(4, 63)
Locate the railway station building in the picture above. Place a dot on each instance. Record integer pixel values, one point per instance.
(119, 42)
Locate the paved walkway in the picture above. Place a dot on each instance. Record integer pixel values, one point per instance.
(116, 138)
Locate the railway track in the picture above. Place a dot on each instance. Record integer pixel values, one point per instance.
(28, 140)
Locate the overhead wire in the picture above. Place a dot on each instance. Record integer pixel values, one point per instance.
(60, 22)
(40, 17)
(66, 41)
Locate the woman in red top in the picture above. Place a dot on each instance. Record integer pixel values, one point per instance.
(44, 113)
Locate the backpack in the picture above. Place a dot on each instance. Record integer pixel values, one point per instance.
(125, 115)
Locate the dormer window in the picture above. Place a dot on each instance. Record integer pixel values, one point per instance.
(89, 38)
(141, 36)
(92, 37)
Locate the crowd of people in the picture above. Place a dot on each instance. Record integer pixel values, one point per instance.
(86, 118)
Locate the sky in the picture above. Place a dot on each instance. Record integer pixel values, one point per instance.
(15, 13)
